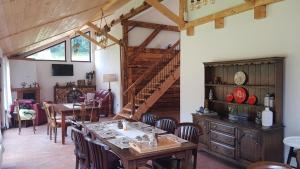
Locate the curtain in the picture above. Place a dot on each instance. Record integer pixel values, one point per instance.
(6, 98)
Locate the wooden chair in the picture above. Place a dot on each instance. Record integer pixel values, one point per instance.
(187, 131)
(81, 149)
(54, 121)
(298, 159)
(101, 157)
(25, 115)
(167, 124)
(268, 165)
(148, 118)
(87, 112)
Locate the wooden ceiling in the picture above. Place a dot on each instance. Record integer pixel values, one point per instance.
(28, 24)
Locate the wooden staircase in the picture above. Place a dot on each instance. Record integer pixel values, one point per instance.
(162, 75)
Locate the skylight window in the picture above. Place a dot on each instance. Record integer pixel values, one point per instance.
(80, 49)
(53, 53)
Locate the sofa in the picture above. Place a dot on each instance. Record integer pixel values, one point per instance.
(41, 117)
(107, 102)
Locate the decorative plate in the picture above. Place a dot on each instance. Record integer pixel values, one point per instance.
(252, 100)
(239, 78)
(229, 98)
(240, 95)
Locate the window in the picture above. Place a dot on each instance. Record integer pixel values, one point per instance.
(56, 53)
(80, 49)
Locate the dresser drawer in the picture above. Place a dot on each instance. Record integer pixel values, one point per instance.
(222, 149)
(222, 138)
(222, 128)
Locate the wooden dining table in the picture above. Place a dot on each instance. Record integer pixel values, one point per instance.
(65, 110)
(132, 159)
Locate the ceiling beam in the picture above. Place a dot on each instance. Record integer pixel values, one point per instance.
(228, 12)
(152, 25)
(101, 31)
(90, 39)
(182, 9)
(166, 12)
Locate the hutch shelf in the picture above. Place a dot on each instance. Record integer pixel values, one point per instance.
(243, 142)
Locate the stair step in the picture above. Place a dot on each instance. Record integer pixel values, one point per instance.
(127, 109)
(125, 115)
(142, 99)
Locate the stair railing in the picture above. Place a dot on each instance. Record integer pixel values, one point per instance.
(159, 71)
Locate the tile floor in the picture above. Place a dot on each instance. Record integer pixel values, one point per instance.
(36, 151)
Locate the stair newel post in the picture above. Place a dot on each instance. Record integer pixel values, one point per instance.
(132, 101)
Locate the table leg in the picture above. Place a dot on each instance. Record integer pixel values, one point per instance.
(291, 152)
(186, 160)
(63, 128)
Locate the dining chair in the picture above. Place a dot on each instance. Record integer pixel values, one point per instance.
(53, 120)
(25, 113)
(187, 131)
(268, 165)
(166, 123)
(101, 157)
(298, 158)
(81, 149)
(148, 118)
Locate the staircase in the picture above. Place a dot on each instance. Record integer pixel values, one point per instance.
(159, 77)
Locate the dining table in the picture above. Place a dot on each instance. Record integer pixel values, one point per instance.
(119, 140)
(64, 110)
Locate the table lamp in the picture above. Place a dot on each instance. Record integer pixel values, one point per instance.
(109, 78)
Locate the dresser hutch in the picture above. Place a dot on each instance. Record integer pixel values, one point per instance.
(243, 141)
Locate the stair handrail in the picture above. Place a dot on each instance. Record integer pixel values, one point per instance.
(175, 46)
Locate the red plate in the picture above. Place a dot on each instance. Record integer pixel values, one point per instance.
(229, 98)
(240, 95)
(252, 99)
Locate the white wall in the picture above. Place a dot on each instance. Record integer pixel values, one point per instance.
(41, 72)
(243, 37)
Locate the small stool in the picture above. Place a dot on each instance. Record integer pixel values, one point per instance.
(268, 165)
(294, 143)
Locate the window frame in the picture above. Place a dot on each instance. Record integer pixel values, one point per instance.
(65, 42)
(90, 51)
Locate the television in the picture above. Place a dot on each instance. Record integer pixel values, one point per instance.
(62, 70)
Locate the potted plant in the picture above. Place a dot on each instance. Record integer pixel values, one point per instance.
(233, 114)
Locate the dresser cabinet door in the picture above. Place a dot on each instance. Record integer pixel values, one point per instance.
(203, 124)
(249, 145)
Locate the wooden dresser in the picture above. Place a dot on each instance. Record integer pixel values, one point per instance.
(61, 92)
(243, 141)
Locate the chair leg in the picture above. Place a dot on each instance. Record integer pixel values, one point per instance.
(77, 163)
(20, 125)
(55, 134)
(50, 132)
(48, 128)
(33, 124)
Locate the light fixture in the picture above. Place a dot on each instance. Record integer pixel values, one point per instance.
(197, 4)
(102, 36)
(109, 78)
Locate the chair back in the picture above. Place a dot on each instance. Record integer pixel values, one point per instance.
(97, 154)
(51, 115)
(167, 124)
(268, 165)
(81, 145)
(188, 131)
(148, 118)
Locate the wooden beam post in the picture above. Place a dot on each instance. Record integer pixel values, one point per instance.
(90, 39)
(182, 8)
(229, 12)
(101, 31)
(260, 12)
(165, 11)
(152, 25)
(219, 23)
(190, 31)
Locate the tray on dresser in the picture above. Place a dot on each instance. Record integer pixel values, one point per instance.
(163, 143)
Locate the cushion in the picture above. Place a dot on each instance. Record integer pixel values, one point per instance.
(27, 114)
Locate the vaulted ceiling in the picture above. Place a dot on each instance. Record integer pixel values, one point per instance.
(27, 24)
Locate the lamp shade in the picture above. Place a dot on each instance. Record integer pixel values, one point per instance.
(109, 77)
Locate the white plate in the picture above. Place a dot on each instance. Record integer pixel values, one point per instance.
(239, 78)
